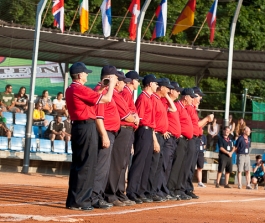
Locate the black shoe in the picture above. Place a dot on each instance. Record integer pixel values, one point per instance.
(184, 197)
(227, 186)
(156, 198)
(136, 200)
(102, 204)
(217, 185)
(192, 195)
(170, 198)
(81, 208)
(146, 200)
(172, 194)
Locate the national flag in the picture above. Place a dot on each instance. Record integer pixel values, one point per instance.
(135, 11)
(211, 19)
(106, 17)
(161, 23)
(58, 13)
(84, 15)
(186, 18)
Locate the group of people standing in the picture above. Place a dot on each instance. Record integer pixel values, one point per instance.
(165, 134)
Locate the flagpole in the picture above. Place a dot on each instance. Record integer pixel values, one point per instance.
(148, 25)
(122, 23)
(94, 20)
(199, 31)
(46, 12)
(73, 18)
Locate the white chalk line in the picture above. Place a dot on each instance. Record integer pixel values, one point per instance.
(72, 217)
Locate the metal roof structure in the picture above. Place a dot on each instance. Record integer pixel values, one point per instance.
(167, 58)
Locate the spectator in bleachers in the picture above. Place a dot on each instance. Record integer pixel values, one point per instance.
(258, 172)
(2, 119)
(7, 100)
(212, 137)
(232, 126)
(55, 129)
(59, 106)
(39, 116)
(4, 131)
(21, 100)
(46, 102)
(67, 129)
(241, 124)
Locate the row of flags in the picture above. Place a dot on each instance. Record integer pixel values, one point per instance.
(183, 22)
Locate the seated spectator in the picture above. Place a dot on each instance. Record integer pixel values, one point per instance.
(241, 124)
(55, 129)
(46, 102)
(232, 126)
(200, 160)
(59, 106)
(21, 100)
(39, 116)
(258, 172)
(7, 100)
(212, 137)
(2, 119)
(67, 129)
(4, 131)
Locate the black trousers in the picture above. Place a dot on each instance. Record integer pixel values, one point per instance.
(141, 162)
(193, 165)
(154, 179)
(119, 161)
(84, 160)
(177, 172)
(102, 169)
(169, 150)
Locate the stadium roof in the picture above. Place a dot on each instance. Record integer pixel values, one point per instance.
(168, 58)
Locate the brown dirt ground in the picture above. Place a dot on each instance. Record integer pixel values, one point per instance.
(41, 198)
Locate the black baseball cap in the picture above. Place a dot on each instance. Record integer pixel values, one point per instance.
(198, 91)
(176, 86)
(165, 82)
(149, 78)
(109, 70)
(133, 75)
(123, 78)
(189, 91)
(79, 67)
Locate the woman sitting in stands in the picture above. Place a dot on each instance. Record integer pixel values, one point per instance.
(232, 126)
(46, 102)
(21, 100)
(241, 124)
(59, 106)
(212, 137)
(4, 131)
(39, 116)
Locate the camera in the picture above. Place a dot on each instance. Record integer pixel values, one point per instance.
(262, 161)
(105, 82)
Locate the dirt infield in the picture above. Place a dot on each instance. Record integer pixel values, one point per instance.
(41, 198)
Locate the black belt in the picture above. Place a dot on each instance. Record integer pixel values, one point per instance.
(184, 137)
(194, 136)
(145, 127)
(159, 133)
(88, 121)
(127, 127)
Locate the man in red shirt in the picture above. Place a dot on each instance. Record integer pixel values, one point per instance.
(144, 144)
(170, 145)
(81, 102)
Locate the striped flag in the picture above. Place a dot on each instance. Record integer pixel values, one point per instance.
(186, 18)
(84, 15)
(58, 13)
(161, 23)
(106, 17)
(211, 19)
(135, 11)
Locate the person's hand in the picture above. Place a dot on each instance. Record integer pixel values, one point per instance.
(137, 120)
(166, 135)
(105, 141)
(229, 154)
(113, 80)
(156, 147)
(210, 117)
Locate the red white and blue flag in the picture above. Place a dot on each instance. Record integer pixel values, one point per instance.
(58, 13)
(211, 19)
(106, 17)
(161, 23)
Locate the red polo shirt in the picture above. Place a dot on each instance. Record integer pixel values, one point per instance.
(185, 121)
(144, 106)
(109, 112)
(127, 94)
(81, 101)
(160, 114)
(194, 119)
(173, 120)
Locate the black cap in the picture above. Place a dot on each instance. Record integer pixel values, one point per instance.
(198, 91)
(108, 70)
(149, 78)
(79, 67)
(165, 82)
(176, 86)
(133, 75)
(189, 91)
(121, 77)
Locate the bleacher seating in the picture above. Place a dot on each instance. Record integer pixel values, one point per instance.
(16, 144)
(8, 116)
(10, 127)
(49, 118)
(20, 119)
(63, 118)
(69, 148)
(36, 131)
(33, 145)
(19, 131)
(234, 157)
(3, 143)
(263, 156)
(59, 146)
(45, 145)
